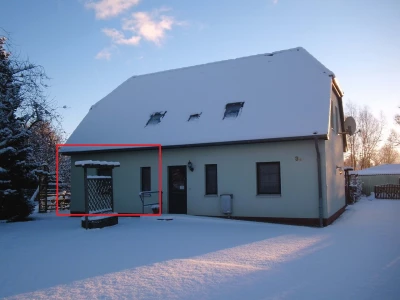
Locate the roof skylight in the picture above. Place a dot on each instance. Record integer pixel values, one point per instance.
(232, 109)
(194, 117)
(156, 118)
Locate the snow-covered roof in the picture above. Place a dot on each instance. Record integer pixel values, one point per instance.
(388, 169)
(286, 94)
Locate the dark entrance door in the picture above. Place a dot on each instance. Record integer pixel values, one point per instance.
(177, 191)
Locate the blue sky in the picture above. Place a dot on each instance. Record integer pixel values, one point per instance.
(88, 48)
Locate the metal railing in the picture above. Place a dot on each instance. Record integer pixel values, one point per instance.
(144, 194)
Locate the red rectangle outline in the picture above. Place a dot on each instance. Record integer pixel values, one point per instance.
(113, 145)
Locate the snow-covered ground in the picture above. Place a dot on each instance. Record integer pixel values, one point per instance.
(358, 257)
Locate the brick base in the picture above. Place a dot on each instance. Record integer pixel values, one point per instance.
(101, 223)
(310, 222)
(82, 212)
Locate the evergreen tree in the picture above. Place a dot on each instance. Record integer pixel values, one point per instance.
(355, 187)
(16, 160)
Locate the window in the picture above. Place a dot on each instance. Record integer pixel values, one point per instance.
(269, 178)
(104, 172)
(156, 118)
(337, 119)
(232, 109)
(211, 180)
(145, 178)
(194, 117)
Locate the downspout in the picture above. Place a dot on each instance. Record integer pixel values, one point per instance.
(321, 212)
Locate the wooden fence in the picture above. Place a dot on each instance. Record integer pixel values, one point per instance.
(387, 191)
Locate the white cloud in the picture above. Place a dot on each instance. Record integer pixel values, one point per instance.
(110, 8)
(151, 26)
(104, 54)
(119, 38)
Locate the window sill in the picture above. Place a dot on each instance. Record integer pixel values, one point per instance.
(211, 195)
(269, 195)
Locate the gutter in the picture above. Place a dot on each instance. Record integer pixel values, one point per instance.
(337, 87)
(229, 143)
(320, 206)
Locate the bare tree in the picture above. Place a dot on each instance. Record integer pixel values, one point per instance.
(388, 154)
(32, 81)
(371, 130)
(44, 138)
(353, 142)
(363, 146)
(394, 135)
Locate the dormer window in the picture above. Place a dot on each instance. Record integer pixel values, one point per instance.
(232, 109)
(156, 118)
(194, 117)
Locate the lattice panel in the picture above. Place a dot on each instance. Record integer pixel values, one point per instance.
(100, 194)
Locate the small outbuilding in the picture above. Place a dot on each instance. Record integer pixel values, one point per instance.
(378, 175)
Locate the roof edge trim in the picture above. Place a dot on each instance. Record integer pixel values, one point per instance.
(337, 86)
(228, 143)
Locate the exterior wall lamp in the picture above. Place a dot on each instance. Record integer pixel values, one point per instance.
(340, 169)
(190, 166)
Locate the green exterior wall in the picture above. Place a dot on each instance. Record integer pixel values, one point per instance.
(236, 175)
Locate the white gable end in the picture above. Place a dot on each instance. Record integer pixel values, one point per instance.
(285, 95)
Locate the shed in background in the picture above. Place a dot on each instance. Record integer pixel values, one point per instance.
(383, 174)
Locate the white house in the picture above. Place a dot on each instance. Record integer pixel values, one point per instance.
(266, 129)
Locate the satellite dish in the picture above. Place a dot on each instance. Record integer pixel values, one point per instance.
(350, 125)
